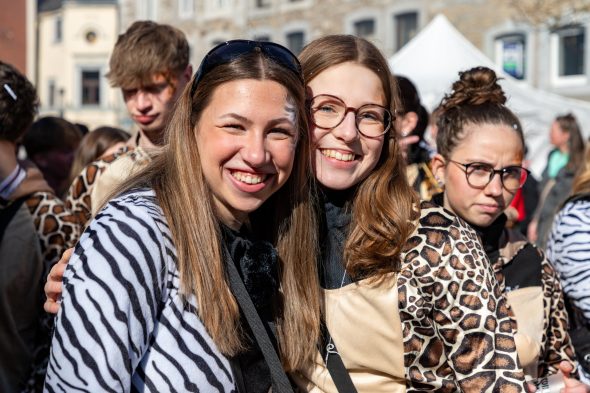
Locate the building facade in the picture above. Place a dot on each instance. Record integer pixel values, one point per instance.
(556, 60)
(75, 41)
(17, 35)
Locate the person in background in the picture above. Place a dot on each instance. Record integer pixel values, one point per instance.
(522, 208)
(83, 128)
(480, 154)
(556, 181)
(50, 144)
(102, 141)
(35, 229)
(150, 88)
(411, 121)
(569, 250)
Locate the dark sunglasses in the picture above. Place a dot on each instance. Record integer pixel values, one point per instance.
(231, 50)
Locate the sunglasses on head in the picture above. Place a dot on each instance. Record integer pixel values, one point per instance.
(231, 50)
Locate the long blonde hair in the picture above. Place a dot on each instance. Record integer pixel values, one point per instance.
(383, 210)
(287, 219)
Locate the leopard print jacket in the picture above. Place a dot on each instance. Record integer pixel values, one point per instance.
(56, 225)
(456, 326)
(78, 198)
(57, 230)
(555, 341)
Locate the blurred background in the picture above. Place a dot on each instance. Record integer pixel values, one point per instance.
(63, 46)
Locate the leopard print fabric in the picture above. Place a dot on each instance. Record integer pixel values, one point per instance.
(57, 230)
(56, 226)
(456, 326)
(78, 199)
(555, 342)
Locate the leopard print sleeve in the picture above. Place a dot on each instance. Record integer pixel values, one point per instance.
(78, 199)
(556, 339)
(55, 224)
(456, 327)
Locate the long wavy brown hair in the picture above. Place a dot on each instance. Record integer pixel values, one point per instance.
(287, 219)
(384, 207)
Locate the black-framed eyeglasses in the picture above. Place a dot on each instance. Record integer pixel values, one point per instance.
(231, 50)
(480, 174)
(327, 112)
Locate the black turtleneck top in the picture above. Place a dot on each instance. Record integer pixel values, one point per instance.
(256, 262)
(335, 222)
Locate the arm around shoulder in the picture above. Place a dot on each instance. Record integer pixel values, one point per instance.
(113, 288)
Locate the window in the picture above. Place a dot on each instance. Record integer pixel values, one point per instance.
(296, 41)
(90, 87)
(58, 30)
(364, 28)
(571, 47)
(263, 3)
(186, 8)
(51, 94)
(406, 28)
(511, 54)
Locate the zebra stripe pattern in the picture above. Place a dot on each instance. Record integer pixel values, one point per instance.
(569, 251)
(123, 325)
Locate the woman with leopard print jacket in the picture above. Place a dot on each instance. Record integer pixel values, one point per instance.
(479, 138)
(410, 302)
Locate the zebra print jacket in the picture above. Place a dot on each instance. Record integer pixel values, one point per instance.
(123, 325)
(569, 250)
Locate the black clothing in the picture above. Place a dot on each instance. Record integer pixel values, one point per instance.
(335, 224)
(257, 265)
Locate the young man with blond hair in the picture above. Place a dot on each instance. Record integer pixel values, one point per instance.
(150, 64)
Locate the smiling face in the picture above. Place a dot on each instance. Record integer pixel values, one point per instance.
(343, 157)
(247, 137)
(497, 145)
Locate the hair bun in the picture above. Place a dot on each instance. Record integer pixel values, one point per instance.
(476, 86)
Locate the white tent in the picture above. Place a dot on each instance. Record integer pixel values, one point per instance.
(433, 59)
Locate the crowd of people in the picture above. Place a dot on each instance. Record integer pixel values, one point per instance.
(290, 224)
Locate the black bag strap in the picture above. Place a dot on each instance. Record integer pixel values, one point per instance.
(280, 381)
(8, 213)
(334, 363)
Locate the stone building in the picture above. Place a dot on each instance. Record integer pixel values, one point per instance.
(554, 60)
(77, 36)
(75, 39)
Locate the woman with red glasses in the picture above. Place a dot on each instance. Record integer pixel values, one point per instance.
(409, 299)
(175, 284)
(479, 161)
